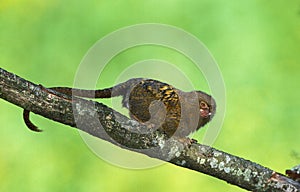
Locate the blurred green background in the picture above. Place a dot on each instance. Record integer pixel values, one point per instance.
(256, 44)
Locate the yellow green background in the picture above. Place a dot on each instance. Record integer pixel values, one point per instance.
(256, 44)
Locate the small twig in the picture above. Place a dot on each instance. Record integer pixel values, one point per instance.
(107, 124)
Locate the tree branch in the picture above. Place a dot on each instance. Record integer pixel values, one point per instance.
(107, 124)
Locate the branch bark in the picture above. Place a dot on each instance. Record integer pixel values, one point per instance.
(107, 124)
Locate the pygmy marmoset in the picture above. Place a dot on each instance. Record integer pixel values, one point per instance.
(170, 110)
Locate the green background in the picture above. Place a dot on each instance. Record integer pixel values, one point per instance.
(255, 43)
